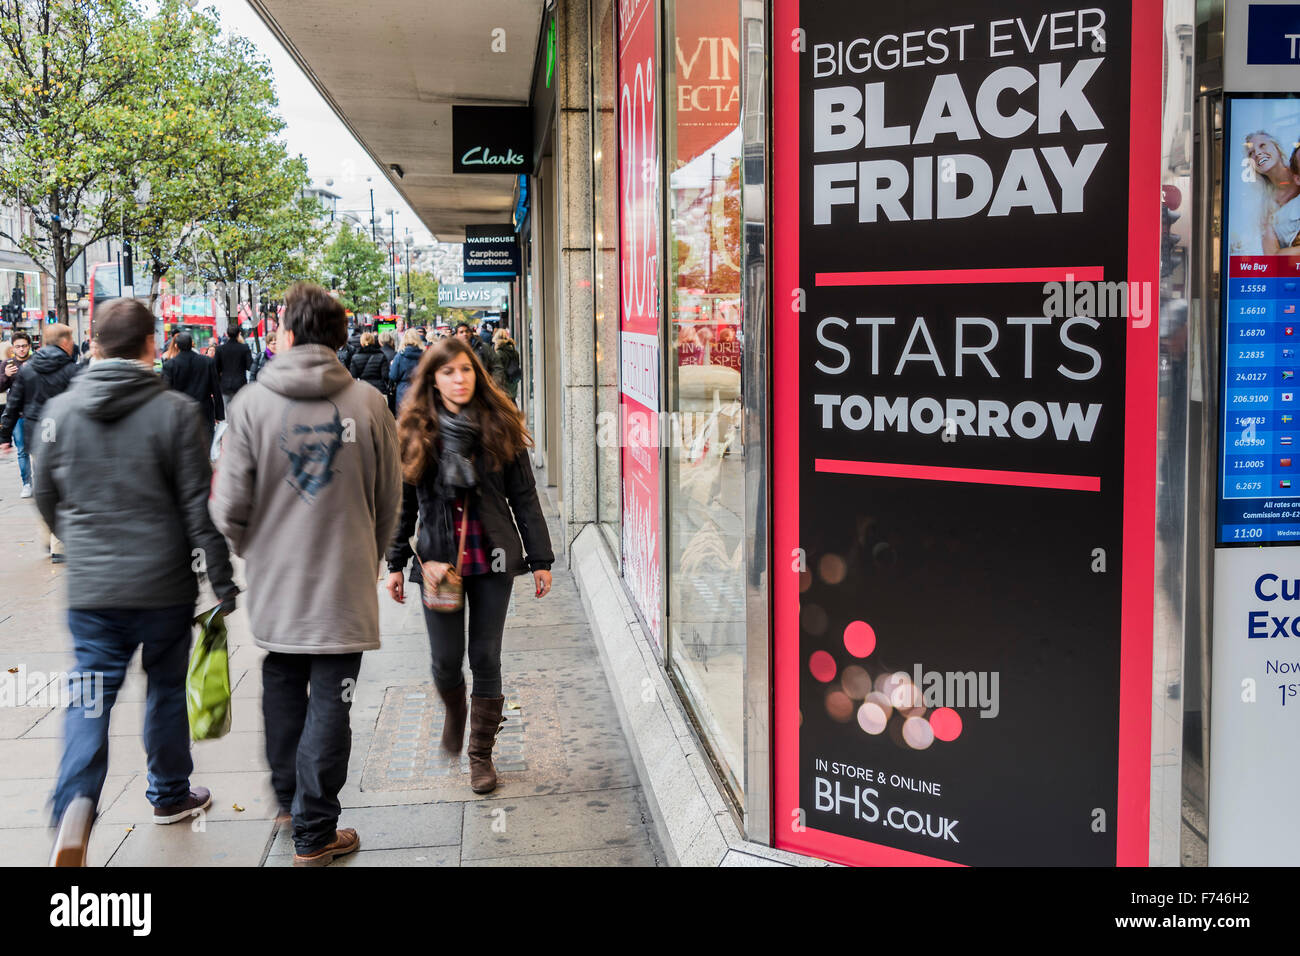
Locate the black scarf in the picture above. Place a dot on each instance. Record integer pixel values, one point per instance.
(459, 438)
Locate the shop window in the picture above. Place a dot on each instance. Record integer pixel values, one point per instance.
(706, 455)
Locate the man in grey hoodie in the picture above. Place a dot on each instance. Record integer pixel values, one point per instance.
(123, 478)
(308, 492)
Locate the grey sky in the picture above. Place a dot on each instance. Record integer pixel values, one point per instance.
(314, 131)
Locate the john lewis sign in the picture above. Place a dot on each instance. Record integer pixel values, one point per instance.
(480, 295)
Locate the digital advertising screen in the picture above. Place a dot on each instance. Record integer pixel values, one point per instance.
(1259, 490)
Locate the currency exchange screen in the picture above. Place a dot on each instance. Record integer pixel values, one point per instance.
(1259, 477)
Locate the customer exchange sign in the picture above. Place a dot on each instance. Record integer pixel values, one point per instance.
(965, 266)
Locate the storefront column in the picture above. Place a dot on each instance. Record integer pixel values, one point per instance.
(574, 293)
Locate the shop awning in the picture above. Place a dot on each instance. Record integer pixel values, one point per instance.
(392, 71)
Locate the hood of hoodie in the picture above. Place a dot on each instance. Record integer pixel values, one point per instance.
(50, 358)
(113, 388)
(413, 352)
(305, 372)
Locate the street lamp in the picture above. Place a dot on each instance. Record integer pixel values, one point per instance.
(373, 237)
(408, 277)
(392, 260)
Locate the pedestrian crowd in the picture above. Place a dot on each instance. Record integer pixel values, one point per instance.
(377, 361)
(334, 452)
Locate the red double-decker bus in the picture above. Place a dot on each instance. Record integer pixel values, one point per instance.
(194, 314)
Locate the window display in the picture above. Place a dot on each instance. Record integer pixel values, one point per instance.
(706, 454)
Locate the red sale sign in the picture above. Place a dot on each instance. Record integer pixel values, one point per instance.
(638, 174)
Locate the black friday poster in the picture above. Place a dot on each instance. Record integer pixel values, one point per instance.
(956, 679)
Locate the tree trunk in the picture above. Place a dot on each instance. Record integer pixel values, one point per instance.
(60, 271)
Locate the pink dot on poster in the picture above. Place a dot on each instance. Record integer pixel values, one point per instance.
(822, 666)
(859, 639)
(946, 723)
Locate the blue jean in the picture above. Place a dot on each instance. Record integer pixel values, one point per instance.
(104, 642)
(24, 459)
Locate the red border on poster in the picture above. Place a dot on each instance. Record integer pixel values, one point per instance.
(1138, 582)
(638, 282)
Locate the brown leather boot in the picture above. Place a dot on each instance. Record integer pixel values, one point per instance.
(453, 725)
(485, 721)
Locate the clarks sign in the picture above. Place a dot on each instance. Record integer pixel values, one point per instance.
(491, 139)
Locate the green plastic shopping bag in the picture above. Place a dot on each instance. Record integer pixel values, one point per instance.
(207, 685)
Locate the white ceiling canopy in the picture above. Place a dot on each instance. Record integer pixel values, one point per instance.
(393, 70)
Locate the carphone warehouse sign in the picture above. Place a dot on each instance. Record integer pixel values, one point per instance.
(966, 264)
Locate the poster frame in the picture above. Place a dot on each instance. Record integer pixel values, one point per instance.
(1133, 799)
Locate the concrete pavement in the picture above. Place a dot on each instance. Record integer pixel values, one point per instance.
(569, 793)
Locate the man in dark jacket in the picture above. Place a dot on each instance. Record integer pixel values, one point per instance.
(233, 362)
(387, 344)
(196, 376)
(22, 351)
(486, 354)
(47, 374)
(133, 534)
(350, 347)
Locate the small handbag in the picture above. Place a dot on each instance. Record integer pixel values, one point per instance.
(447, 595)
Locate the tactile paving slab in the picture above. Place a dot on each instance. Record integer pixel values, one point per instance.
(405, 753)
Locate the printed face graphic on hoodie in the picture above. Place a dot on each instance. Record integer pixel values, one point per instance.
(311, 442)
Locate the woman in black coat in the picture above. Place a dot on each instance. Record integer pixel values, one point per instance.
(368, 363)
(466, 466)
(402, 370)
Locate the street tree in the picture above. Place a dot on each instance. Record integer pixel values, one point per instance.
(423, 304)
(253, 223)
(266, 231)
(78, 83)
(220, 87)
(358, 270)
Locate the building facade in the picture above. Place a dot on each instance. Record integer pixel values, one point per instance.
(845, 620)
(883, 361)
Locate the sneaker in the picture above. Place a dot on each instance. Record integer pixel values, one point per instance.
(27, 491)
(73, 836)
(345, 841)
(198, 800)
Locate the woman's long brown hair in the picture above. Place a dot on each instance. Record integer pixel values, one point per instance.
(501, 427)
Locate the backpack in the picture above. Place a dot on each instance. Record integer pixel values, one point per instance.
(514, 371)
